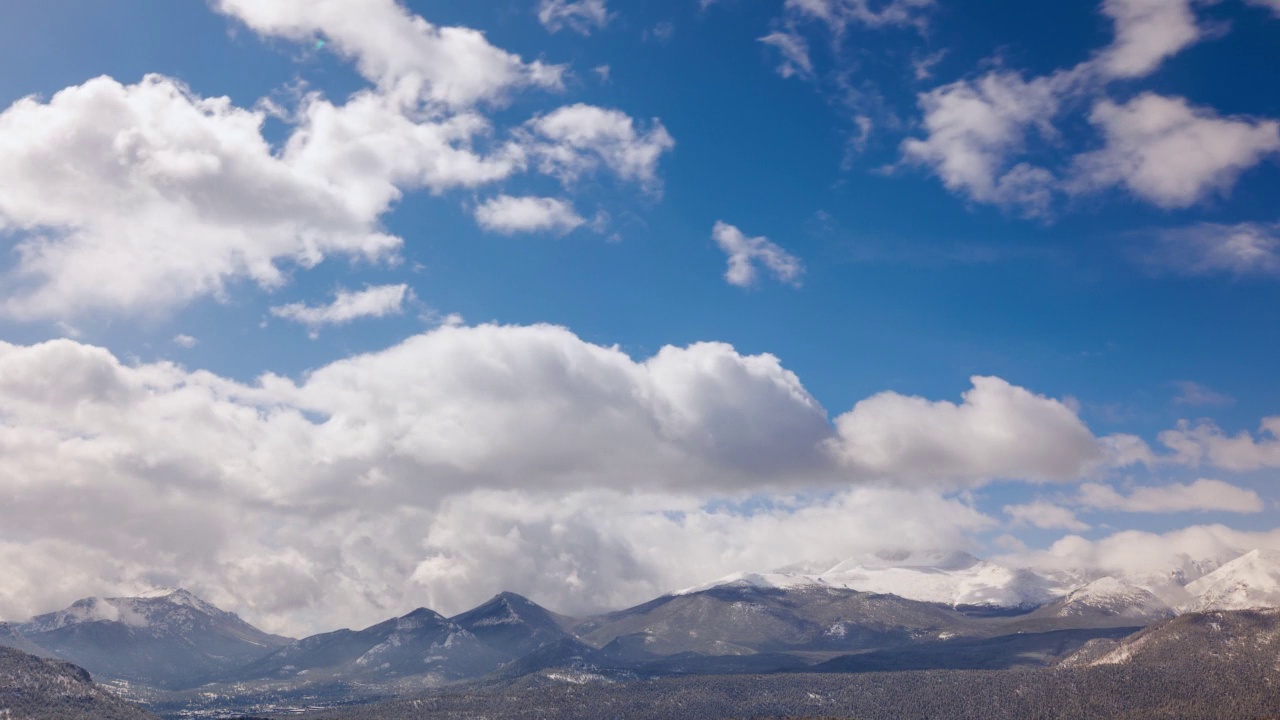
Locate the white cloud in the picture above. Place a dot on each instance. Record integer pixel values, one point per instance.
(576, 139)
(1045, 516)
(509, 215)
(1244, 249)
(973, 128)
(161, 198)
(1201, 495)
(999, 431)
(492, 439)
(186, 341)
(1273, 4)
(794, 50)
(745, 252)
(1162, 561)
(166, 197)
(1206, 444)
(1169, 153)
(1196, 395)
(348, 305)
(1147, 33)
(581, 16)
(407, 57)
(840, 14)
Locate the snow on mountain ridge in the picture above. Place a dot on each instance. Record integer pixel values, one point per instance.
(945, 577)
(1115, 597)
(1250, 581)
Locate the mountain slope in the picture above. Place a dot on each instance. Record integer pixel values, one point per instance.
(167, 639)
(743, 618)
(32, 688)
(1106, 602)
(513, 625)
(1240, 641)
(420, 644)
(11, 638)
(1250, 581)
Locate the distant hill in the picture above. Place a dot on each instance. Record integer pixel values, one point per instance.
(166, 639)
(33, 688)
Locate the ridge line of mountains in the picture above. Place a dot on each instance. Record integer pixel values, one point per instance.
(177, 653)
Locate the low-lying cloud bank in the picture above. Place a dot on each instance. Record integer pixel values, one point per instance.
(467, 460)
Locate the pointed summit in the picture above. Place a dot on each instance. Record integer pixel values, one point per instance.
(1250, 581)
(513, 624)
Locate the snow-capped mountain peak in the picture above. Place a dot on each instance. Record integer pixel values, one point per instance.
(946, 577)
(1250, 581)
(1111, 597)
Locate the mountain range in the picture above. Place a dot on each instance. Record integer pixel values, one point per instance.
(176, 652)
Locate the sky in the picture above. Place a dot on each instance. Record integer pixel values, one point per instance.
(330, 309)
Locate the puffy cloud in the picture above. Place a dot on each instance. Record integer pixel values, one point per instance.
(348, 305)
(577, 139)
(794, 50)
(744, 252)
(606, 550)
(1161, 560)
(507, 214)
(310, 503)
(165, 197)
(1169, 153)
(578, 15)
(184, 340)
(999, 431)
(1046, 516)
(152, 168)
(1244, 249)
(1206, 443)
(1147, 32)
(407, 57)
(1202, 495)
(973, 128)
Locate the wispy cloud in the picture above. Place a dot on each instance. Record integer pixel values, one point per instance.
(347, 306)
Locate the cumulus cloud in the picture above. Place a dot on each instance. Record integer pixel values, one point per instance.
(154, 167)
(166, 197)
(407, 57)
(348, 305)
(1172, 154)
(184, 340)
(312, 502)
(1244, 249)
(1161, 561)
(509, 215)
(1147, 33)
(1204, 443)
(581, 16)
(1046, 516)
(745, 252)
(1201, 495)
(1161, 149)
(891, 434)
(577, 139)
(973, 128)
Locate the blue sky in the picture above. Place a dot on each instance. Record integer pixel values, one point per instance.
(1103, 276)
